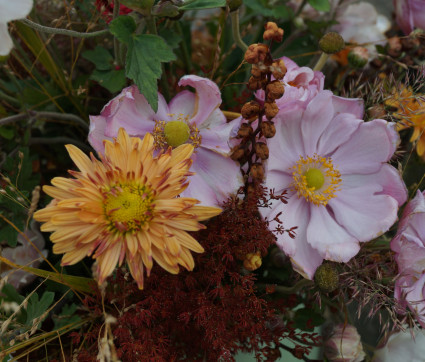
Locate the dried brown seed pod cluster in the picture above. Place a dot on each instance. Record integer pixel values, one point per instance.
(266, 76)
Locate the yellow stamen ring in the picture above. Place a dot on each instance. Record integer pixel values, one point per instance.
(316, 179)
(175, 133)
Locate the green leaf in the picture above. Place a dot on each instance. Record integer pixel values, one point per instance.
(306, 319)
(112, 80)
(260, 7)
(122, 28)
(203, 4)
(145, 54)
(67, 316)
(320, 5)
(100, 57)
(172, 38)
(37, 307)
(7, 132)
(78, 283)
(10, 294)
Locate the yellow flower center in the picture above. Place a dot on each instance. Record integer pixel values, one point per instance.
(316, 179)
(176, 133)
(128, 207)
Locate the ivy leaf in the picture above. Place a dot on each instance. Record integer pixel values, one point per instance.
(122, 28)
(203, 4)
(100, 57)
(320, 5)
(112, 80)
(145, 54)
(37, 307)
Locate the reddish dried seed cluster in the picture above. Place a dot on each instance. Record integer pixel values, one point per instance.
(208, 314)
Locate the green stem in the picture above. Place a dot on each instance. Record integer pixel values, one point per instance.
(321, 62)
(64, 140)
(183, 47)
(49, 30)
(290, 290)
(9, 99)
(116, 42)
(300, 8)
(234, 16)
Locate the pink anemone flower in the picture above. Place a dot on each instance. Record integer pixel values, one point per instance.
(410, 14)
(341, 189)
(189, 118)
(301, 84)
(409, 246)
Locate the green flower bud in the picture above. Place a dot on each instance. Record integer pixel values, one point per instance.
(331, 43)
(358, 57)
(327, 278)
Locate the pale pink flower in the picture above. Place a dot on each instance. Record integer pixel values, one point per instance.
(301, 85)
(344, 345)
(402, 346)
(24, 254)
(360, 23)
(11, 10)
(410, 14)
(217, 175)
(409, 246)
(341, 190)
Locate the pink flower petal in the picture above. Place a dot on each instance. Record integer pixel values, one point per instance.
(338, 132)
(315, 120)
(221, 174)
(97, 133)
(208, 96)
(355, 106)
(366, 150)
(216, 136)
(183, 103)
(331, 240)
(362, 213)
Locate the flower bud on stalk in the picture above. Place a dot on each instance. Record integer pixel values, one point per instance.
(358, 57)
(245, 130)
(257, 171)
(344, 345)
(268, 129)
(271, 109)
(327, 278)
(274, 90)
(252, 261)
(273, 32)
(331, 43)
(250, 110)
(261, 150)
(256, 53)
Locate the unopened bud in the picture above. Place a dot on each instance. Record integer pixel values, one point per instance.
(273, 32)
(270, 109)
(257, 83)
(394, 47)
(331, 43)
(252, 261)
(234, 4)
(358, 57)
(344, 344)
(256, 53)
(250, 110)
(261, 150)
(237, 153)
(275, 90)
(245, 130)
(278, 69)
(327, 278)
(268, 129)
(257, 171)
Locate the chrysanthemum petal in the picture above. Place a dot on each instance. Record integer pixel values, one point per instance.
(83, 163)
(108, 261)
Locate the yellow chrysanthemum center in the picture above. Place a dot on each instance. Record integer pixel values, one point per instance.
(128, 207)
(316, 179)
(175, 133)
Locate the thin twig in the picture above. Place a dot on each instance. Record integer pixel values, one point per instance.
(58, 31)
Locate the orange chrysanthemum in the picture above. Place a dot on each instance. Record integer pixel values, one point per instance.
(125, 206)
(410, 109)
